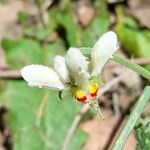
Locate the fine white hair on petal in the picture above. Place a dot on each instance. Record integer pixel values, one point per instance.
(103, 49)
(41, 76)
(77, 66)
(60, 68)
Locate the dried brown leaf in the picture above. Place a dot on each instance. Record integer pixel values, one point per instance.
(101, 133)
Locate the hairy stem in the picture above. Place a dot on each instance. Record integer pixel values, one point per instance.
(140, 70)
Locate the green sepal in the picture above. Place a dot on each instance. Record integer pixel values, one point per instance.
(86, 51)
(97, 80)
(69, 91)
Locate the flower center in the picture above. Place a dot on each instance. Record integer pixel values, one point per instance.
(80, 96)
(93, 89)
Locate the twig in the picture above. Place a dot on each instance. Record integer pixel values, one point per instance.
(42, 12)
(74, 125)
(96, 107)
(3, 64)
(109, 85)
(41, 108)
(45, 139)
(83, 111)
(10, 74)
(115, 101)
(15, 74)
(142, 61)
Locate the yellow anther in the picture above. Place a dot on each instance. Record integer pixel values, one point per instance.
(80, 95)
(93, 88)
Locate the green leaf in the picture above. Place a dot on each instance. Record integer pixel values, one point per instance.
(98, 27)
(21, 52)
(51, 50)
(39, 35)
(49, 129)
(22, 17)
(142, 132)
(134, 40)
(65, 19)
(75, 34)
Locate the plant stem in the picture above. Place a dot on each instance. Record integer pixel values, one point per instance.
(132, 119)
(140, 70)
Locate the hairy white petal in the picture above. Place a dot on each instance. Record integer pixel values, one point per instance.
(103, 50)
(77, 66)
(41, 76)
(60, 68)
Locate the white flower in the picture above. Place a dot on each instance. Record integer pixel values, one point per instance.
(74, 66)
(103, 50)
(41, 76)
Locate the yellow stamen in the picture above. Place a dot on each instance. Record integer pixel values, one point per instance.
(80, 95)
(93, 88)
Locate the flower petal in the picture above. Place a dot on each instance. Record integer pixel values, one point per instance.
(77, 66)
(41, 76)
(103, 50)
(60, 68)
